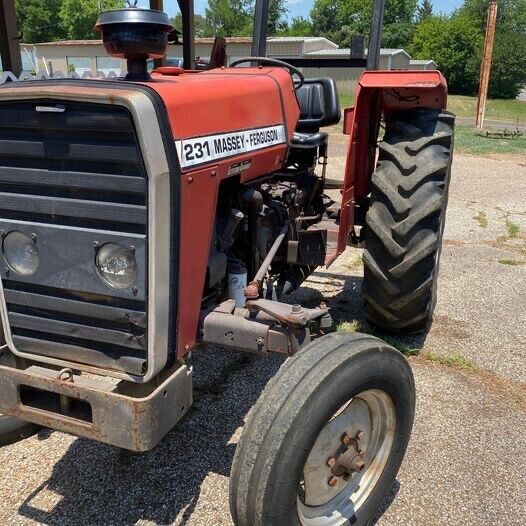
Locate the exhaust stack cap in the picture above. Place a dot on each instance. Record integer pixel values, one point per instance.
(135, 35)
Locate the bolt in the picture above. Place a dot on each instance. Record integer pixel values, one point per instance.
(331, 461)
(95, 244)
(360, 435)
(296, 308)
(33, 236)
(332, 481)
(134, 291)
(131, 248)
(7, 271)
(346, 439)
(214, 173)
(260, 341)
(2, 234)
(190, 180)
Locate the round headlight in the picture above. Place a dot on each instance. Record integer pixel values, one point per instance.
(21, 253)
(116, 265)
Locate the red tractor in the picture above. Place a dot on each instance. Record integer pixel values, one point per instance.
(144, 217)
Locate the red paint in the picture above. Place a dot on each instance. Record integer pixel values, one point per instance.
(233, 99)
(379, 92)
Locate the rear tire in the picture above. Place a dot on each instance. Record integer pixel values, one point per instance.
(13, 430)
(406, 218)
(289, 424)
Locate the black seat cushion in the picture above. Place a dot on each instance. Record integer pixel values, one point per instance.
(309, 140)
(319, 105)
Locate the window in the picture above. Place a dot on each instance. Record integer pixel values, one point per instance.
(79, 65)
(109, 65)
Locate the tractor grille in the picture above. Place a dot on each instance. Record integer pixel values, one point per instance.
(76, 165)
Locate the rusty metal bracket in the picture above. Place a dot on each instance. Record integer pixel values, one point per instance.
(294, 316)
(126, 415)
(263, 326)
(223, 327)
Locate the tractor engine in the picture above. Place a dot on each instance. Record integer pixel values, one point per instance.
(249, 220)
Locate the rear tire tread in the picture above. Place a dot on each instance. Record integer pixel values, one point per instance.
(405, 221)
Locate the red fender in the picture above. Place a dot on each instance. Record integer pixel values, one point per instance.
(379, 93)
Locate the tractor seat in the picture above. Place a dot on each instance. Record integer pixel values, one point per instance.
(309, 140)
(319, 106)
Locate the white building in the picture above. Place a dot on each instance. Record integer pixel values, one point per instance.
(90, 56)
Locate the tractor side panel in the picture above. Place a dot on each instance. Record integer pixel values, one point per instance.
(225, 102)
(229, 105)
(379, 92)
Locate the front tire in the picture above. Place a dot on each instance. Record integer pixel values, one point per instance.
(406, 218)
(340, 383)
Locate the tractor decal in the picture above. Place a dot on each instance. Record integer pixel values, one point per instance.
(201, 150)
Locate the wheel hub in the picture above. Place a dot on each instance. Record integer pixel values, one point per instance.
(347, 459)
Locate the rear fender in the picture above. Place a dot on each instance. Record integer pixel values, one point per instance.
(379, 93)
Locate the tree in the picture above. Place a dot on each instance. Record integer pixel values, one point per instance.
(511, 14)
(276, 16)
(455, 44)
(201, 27)
(398, 35)
(78, 17)
(340, 20)
(508, 69)
(424, 10)
(326, 17)
(38, 20)
(298, 27)
(228, 18)
(399, 11)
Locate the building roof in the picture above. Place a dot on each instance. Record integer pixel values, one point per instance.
(346, 52)
(423, 62)
(67, 43)
(207, 40)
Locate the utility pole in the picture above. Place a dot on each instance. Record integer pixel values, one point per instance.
(485, 68)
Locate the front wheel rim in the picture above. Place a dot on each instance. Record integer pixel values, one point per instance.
(366, 423)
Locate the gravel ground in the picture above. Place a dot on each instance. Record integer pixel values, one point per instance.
(459, 468)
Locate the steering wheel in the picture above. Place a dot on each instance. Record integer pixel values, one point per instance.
(273, 62)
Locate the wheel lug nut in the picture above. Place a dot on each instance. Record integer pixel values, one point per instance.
(331, 461)
(332, 481)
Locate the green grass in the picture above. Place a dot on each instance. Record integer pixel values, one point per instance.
(393, 341)
(496, 109)
(481, 219)
(511, 262)
(452, 359)
(466, 107)
(356, 262)
(346, 100)
(513, 230)
(467, 140)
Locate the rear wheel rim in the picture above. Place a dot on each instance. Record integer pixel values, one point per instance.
(322, 501)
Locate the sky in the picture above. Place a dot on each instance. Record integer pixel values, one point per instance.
(296, 7)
